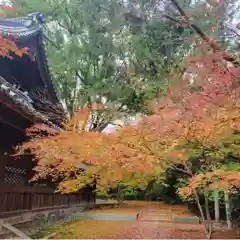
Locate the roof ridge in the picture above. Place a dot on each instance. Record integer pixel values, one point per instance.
(27, 27)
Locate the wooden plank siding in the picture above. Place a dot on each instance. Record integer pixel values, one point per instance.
(31, 199)
(18, 195)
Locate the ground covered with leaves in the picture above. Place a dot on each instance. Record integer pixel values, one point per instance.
(93, 229)
(100, 229)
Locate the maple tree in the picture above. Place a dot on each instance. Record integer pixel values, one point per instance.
(8, 45)
(60, 155)
(190, 122)
(186, 120)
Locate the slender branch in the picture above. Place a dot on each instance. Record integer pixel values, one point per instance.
(235, 158)
(54, 44)
(227, 56)
(73, 24)
(237, 34)
(173, 167)
(101, 126)
(181, 170)
(171, 18)
(62, 26)
(59, 48)
(115, 124)
(82, 79)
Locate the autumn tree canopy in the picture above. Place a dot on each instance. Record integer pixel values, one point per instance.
(197, 116)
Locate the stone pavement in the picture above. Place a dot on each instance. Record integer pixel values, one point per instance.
(163, 212)
(155, 222)
(155, 214)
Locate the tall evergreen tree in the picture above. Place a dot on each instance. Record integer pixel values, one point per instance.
(94, 55)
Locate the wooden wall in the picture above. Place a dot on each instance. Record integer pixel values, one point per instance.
(16, 193)
(16, 200)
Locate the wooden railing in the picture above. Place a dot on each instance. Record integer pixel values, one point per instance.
(14, 200)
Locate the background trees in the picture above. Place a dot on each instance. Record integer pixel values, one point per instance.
(119, 53)
(92, 55)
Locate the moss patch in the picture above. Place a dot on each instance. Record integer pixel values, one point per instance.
(83, 229)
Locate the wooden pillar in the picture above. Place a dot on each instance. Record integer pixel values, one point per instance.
(29, 173)
(3, 162)
(3, 157)
(27, 161)
(2, 168)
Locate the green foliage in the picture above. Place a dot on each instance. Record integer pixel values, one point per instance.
(95, 55)
(120, 58)
(231, 166)
(130, 193)
(92, 57)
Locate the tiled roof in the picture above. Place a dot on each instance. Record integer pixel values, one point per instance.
(23, 103)
(29, 29)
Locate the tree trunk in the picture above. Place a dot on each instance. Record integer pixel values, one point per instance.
(228, 209)
(216, 205)
(209, 220)
(201, 212)
(118, 195)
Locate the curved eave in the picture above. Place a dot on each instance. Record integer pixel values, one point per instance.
(25, 29)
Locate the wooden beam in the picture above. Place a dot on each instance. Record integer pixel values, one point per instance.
(6, 103)
(2, 169)
(13, 119)
(12, 125)
(16, 231)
